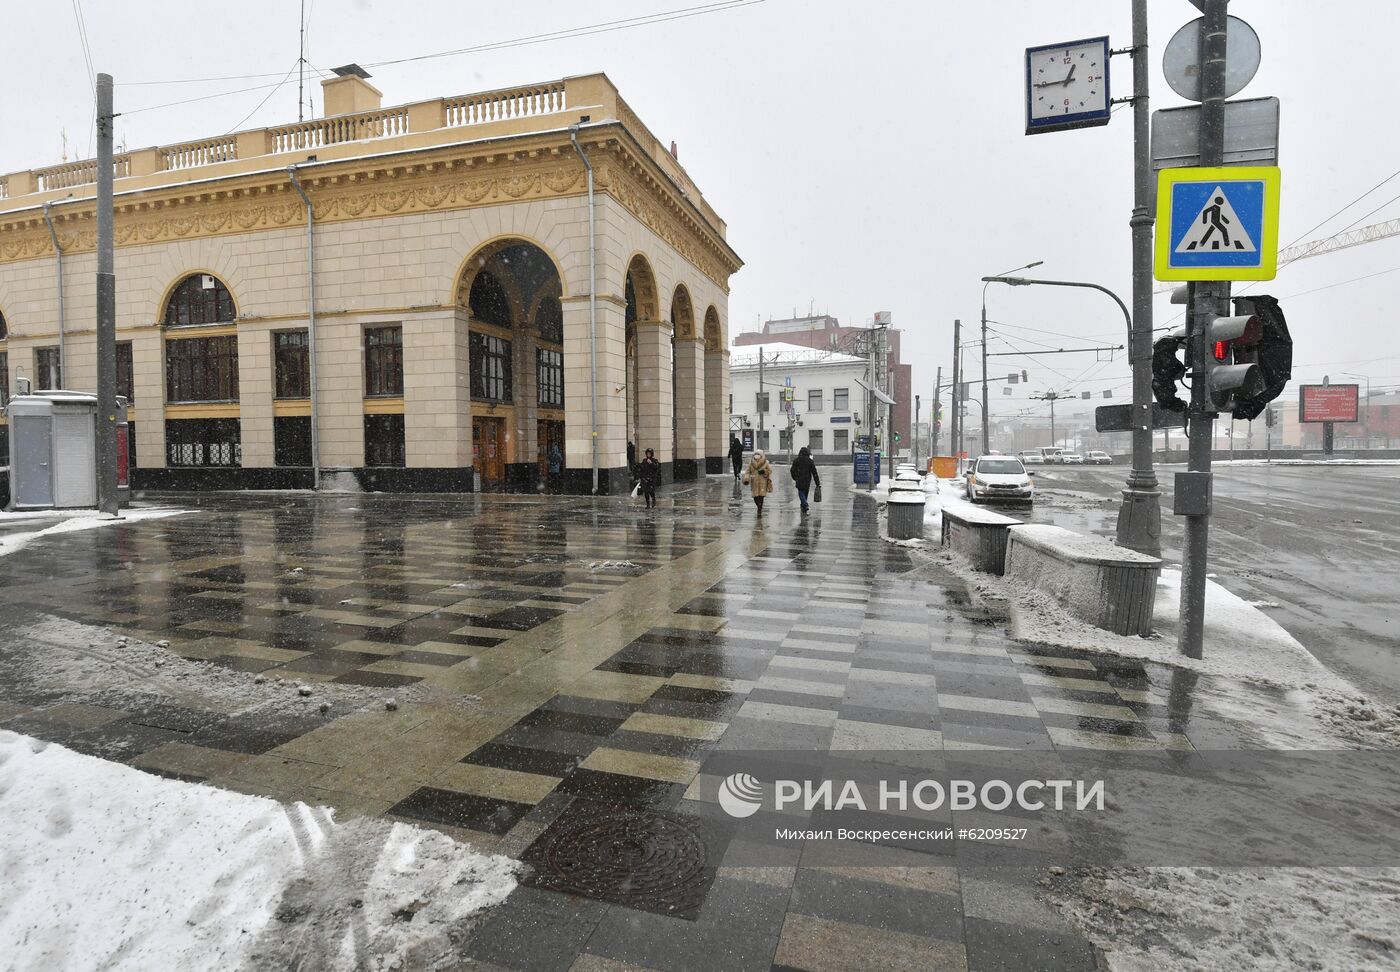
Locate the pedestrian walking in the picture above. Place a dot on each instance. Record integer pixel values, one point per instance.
(555, 461)
(759, 478)
(736, 455)
(804, 473)
(649, 474)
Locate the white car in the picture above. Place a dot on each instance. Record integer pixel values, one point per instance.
(999, 479)
(1097, 458)
(1071, 459)
(1032, 459)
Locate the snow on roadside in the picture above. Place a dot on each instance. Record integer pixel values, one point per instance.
(106, 866)
(52, 654)
(73, 522)
(1180, 919)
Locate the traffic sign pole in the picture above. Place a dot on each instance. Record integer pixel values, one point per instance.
(1205, 301)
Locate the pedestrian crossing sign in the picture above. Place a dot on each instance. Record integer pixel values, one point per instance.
(1217, 223)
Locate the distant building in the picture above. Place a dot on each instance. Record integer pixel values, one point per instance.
(827, 411)
(827, 333)
(1379, 427)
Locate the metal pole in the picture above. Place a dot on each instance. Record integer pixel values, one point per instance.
(872, 403)
(955, 433)
(592, 308)
(62, 317)
(106, 308)
(1205, 301)
(311, 326)
(1140, 515)
(935, 420)
(986, 429)
(760, 401)
(916, 430)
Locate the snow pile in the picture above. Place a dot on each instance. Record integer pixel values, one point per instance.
(108, 867)
(1186, 919)
(73, 522)
(80, 660)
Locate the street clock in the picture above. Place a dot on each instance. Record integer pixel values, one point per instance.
(1067, 86)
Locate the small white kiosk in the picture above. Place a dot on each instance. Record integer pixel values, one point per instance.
(53, 450)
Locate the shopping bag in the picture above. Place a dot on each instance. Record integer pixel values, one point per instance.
(817, 496)
(637, 489)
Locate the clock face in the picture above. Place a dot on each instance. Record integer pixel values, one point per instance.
(1067, 85)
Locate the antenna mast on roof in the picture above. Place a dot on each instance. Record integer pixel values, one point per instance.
(301, 62)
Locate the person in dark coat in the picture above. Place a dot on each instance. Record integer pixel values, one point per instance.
(804, 473)
(650, 475)
(631, 460)
(736, 454)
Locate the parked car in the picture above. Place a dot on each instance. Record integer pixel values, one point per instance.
(1071, 459)
(1051, 455)
(1097, 458)
(999, 479)
(1032, 459)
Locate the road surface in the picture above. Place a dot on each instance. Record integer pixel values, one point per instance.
(1315, 546)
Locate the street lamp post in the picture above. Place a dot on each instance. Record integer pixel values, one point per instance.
(1140, 516)
(986, 281)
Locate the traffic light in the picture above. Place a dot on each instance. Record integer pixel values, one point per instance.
(1271, 353)
(1167, 370)
(1231, 375)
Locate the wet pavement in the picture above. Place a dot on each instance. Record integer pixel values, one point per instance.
(561, 668)
(1311, 545)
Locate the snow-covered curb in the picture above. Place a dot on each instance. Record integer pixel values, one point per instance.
(1305, 462)
(1182, 919)
(73, 522)
(108, 867)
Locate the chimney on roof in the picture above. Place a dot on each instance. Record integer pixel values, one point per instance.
(675, 153)
(349, 92)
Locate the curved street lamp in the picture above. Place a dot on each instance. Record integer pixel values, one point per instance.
(1140, 516)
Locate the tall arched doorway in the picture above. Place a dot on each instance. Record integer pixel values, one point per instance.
(646, 337)
(717, 408)
(508, 299)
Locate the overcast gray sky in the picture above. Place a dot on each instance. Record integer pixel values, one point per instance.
(866, 156)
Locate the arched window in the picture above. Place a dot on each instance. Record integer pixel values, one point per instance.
(201, 298)
(488, 301)
(549, 320)
(4, 330)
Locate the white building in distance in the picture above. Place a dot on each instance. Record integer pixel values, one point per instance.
(827, 404)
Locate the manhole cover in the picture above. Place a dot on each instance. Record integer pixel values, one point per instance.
(637, 858)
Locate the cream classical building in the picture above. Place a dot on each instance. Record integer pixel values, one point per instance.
(496, 290)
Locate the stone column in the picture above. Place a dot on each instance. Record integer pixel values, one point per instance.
(716, 409)
(525, 396)
(654, 393)
(436, 392)
(691, 420)
(578, 398)
(254, 396)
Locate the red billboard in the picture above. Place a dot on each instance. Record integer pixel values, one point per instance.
(1328, 403)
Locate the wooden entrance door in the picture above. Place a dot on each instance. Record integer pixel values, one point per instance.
(489, 450)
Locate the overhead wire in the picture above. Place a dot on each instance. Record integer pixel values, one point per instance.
(266, 98)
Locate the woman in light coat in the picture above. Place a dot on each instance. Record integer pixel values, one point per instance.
(759, 477)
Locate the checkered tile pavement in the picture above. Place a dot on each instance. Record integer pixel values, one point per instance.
(602, 692)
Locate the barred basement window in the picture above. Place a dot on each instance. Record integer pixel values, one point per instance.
(48, 369)
(126, 386)
(291, 440)
(203, 442)
(490, 368)
(201, 369)
(549, 371)
(383, 361)
(384, 445)
(200, 298)
(292, 363)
